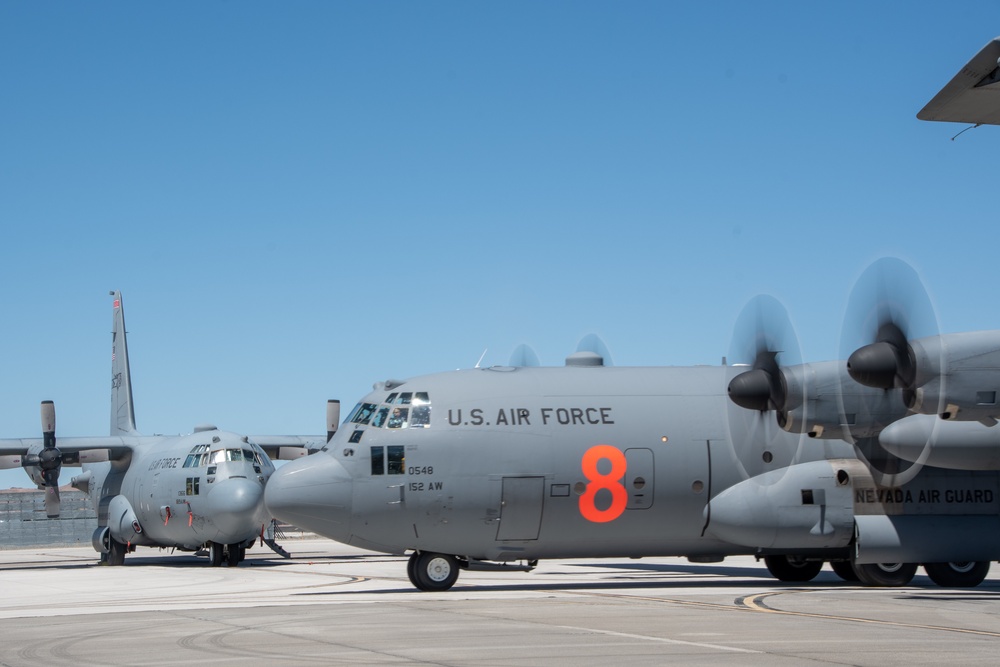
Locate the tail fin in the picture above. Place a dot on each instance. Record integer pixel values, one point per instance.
(122, 410)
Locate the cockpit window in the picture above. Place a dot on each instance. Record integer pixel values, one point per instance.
(399, 418)
(223, 455)
(391, 415)
(380, 417)
(364, 413)
(420, 417)
(197, 458)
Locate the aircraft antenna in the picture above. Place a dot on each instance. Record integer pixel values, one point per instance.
(481, 357)
(971, 127)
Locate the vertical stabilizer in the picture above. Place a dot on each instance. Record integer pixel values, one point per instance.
(122, 410)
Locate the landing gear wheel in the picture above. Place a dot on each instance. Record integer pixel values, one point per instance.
(844, 570)
(234, 554)
(792, 568)
(429, 571)
(885, 574)
(215, 552)
(958, 575)
(116, 552)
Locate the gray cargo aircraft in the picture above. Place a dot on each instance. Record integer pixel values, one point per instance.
(203, 490)
(877, 465)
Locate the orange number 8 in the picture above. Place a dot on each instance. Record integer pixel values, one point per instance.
(597, 481)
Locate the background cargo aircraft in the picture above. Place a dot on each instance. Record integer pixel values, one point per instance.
(203, 490)
(876, 465)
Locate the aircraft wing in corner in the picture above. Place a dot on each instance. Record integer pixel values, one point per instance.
(973, 95)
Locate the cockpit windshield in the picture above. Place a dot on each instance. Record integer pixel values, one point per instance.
(399, 410)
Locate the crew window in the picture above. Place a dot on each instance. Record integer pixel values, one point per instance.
(197, 457)
(420, 416)
(380, 417)
(391, 398)
(399, 418)
(364, 413)
(378, 460)
(421, 398)
(397, 459)
(406, 398)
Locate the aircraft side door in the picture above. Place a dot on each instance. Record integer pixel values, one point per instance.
(521, 508)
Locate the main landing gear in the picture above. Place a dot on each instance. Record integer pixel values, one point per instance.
(430, 571)
(951, 575)
(233, 554)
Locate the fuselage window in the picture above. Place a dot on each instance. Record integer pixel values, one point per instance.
(397, 459)
(399, 417)
(193, 486)
(354, 439)
(378, 460)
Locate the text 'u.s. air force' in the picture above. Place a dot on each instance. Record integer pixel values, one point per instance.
(590, 416)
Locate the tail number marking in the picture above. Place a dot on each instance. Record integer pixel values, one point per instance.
(612, 482)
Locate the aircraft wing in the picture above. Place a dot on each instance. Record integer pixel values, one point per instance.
(973, 95)
(287, 447)
(74, 450)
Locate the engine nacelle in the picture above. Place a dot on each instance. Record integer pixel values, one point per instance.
(804, 506)
(824, 402)
(958, 376)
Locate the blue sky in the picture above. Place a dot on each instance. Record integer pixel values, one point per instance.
(300, 199)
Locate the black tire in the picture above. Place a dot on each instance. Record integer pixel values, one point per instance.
(410, 569)
(116, 552)
(885, 574)
(233, 555)
(844, 569)
(958, 575)
(215, 553)
(430, 571)
(792, 568)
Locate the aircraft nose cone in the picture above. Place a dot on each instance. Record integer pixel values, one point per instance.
(313, 493)
(235, 505)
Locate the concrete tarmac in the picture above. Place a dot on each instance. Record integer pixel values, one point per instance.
(331, 604)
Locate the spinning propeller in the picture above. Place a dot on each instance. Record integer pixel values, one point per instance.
(48, 461)
(888, 307)
(764, 338)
